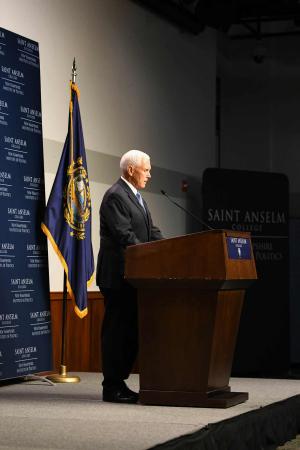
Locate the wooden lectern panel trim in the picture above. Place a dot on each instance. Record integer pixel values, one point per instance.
(185, 257)
(199, 256)
(224, 399)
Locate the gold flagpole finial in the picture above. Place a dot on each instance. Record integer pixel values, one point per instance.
(74, 72)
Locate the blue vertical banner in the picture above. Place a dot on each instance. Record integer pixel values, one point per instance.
(25, 320)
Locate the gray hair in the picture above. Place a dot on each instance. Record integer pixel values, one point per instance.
(134, 157)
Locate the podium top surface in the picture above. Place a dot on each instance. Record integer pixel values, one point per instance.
(208, 255)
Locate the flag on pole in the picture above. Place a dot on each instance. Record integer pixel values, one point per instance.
(67, 221)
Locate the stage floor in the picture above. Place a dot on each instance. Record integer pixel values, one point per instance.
(35, 415)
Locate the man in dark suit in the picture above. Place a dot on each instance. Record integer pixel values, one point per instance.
(124, 220)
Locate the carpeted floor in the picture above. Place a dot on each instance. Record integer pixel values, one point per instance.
(35, 415)
(291, 445)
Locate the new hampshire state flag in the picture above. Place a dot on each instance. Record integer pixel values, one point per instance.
(67, 221)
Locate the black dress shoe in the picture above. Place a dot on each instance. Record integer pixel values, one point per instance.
(123, 395)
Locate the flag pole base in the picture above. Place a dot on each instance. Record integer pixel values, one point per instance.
(62, 377)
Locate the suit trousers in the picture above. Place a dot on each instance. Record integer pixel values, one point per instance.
(119, 334)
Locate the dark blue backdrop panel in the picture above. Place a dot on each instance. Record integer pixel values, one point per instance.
(25, 323)
(257, 202)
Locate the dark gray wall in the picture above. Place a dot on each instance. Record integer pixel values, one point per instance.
(260, 129)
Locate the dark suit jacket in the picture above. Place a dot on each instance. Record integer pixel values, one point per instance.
(123, 222)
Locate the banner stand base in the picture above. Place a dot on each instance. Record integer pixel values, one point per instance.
(32, 377)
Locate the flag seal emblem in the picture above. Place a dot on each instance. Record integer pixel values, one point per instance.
(77, 198)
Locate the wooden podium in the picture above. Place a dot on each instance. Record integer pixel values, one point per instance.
(190, 295)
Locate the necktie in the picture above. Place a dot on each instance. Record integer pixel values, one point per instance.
(140, 200)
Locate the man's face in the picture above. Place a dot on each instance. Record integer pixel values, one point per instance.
(139, 175)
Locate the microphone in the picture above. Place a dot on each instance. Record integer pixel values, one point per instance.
(186, 211)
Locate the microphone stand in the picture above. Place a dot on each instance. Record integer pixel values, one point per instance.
(186, 211)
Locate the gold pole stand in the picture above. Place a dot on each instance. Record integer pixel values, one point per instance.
(62, 376)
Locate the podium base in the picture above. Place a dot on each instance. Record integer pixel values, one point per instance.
(217, 399)
(63, 377)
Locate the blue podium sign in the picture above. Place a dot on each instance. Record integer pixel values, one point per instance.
(238, 248)
(25, 323)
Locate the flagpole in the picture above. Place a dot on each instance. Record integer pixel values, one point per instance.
(63, 328)
(74, 72)
(63, 377)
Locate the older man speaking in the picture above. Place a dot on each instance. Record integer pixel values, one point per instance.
(124, 220)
